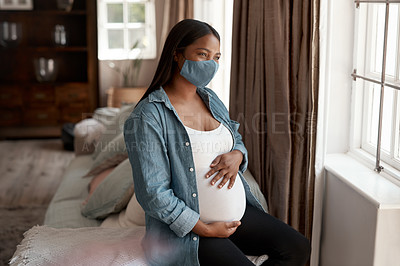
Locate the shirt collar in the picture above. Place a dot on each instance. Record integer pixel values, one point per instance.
(160, 95)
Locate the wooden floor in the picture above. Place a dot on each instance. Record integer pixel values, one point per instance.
(30, 171)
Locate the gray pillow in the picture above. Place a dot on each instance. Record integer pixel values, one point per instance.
(113, 154)
(112, 195)
(114, 126)
(255, 189)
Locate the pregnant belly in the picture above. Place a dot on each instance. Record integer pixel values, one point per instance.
(220, 204)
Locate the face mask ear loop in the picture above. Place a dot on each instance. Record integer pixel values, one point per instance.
(180, 69)
(216, 69)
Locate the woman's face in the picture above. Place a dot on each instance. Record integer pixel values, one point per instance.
(204, 48)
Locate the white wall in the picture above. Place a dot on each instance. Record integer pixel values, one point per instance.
(338, 69)
(349, 221)
(361, 225)
(333, 126)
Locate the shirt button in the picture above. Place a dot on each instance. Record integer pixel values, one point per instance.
(194, 195)
(187, 143)
(194, 238)
(191, 169)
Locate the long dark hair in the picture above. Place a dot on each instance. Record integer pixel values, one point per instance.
(181, 35)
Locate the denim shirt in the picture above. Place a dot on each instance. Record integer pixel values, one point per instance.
(164, 176)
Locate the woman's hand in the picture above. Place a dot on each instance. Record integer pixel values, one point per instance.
(222, 229)
(227, 166)
(216, 229)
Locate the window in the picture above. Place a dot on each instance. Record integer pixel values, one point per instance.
(126, 29)
(377, 79)
(219, 14)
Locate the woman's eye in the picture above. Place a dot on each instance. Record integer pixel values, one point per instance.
(202, 54)
(217, 58)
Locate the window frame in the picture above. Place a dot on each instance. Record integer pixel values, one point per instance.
(104, 53)
(362, 98)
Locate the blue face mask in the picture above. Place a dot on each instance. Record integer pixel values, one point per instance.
(199, 73)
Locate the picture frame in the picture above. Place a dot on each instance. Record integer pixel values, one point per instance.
(16, 4)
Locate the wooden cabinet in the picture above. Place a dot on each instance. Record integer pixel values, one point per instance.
(29, 108)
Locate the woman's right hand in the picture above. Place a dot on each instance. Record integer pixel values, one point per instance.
(222, 229)
(215, 229)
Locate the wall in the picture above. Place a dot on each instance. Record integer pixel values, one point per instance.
(334, 112)
(348, 221)
(109, 78)
(361, 220)
(339, 66)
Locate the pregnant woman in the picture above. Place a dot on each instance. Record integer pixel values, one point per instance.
(187, 162)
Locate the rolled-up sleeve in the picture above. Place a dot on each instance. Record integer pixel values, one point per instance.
(148, 156)
(239, 145)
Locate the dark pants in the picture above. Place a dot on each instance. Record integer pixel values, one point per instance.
(258, 234)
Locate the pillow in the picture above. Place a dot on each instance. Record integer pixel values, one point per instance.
(113, 154)
(105, 114)
(96, 181)
(112, 195)
(255, 189)
(114, 127)
(43, 245)
(132, 216)
(86, 134)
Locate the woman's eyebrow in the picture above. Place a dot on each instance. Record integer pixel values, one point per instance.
(207, 50)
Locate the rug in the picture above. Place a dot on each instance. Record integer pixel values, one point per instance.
(13, 223)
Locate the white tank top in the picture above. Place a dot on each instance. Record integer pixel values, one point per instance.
(215, 204)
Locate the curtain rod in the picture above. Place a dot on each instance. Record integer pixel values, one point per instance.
(355, 76)
(358, 2)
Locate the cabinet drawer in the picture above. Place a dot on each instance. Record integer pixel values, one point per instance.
(73, 114)
(41, 116)
(41, 94)
(71, 93)
(10, 117)
(11, 96)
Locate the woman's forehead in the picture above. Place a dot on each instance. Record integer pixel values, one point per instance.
(209, 42)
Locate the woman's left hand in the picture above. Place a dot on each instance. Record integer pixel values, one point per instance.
(227, 166)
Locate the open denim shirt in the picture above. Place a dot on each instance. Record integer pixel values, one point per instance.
(164, 176)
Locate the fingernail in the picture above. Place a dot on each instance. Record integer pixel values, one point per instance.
(230, 187)
(220, 186)
(212, 183)
(207, 176)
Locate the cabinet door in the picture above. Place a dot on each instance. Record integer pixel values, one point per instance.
(10, 117)
(11, 96)
(71, 93)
